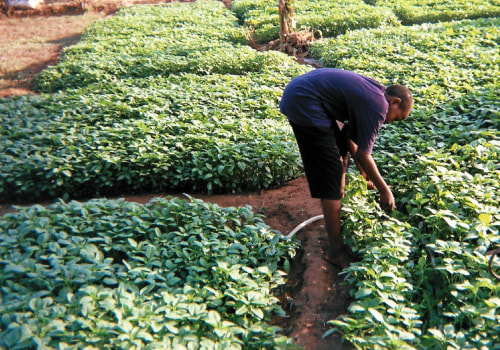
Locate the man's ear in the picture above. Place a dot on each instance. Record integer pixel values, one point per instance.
(394, 100)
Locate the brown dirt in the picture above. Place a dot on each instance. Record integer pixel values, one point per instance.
(314, 293)
(29, 44)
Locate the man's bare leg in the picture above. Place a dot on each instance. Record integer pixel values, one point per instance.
(335, 253)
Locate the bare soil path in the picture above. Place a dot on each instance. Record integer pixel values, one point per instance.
(315, 292)
(28, 44)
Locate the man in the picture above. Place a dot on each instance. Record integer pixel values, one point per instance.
(333, 113)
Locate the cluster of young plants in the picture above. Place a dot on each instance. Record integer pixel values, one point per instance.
(140, 42)
(329, 19)
(438, 62)
(203, 120)
(171, 274)
(325, 18)
(423, 280)
(170, 98)
(214, 133)
(432, 11)
(384, 313)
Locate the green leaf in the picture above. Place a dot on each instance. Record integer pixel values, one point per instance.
(14, 268)
(87, 305)
(12, 335)
(485, 218)
(132, 242)
(257, 312)
(142, 334)
(125, 326)
(356, 307)
(362, 293)
(241, 310)
(213, 318)
(376, 315)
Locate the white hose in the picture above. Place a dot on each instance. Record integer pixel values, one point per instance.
(302, 225)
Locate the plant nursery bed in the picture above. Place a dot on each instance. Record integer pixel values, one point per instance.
(315, 291)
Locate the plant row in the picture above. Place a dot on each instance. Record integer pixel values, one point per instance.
(171, 274)
(155, 41)
(329, 19)
(154, 131)
(438, 62)
(201, 38)
(325, 18)
(423, 281)
(430, 11)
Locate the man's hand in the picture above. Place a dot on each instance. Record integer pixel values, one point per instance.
(366, 163)
(387, 202)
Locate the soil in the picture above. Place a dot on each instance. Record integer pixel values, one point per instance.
(315, 292)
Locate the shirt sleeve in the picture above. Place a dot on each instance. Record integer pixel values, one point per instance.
(367, 125)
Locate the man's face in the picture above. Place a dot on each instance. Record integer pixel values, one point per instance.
(395, 113)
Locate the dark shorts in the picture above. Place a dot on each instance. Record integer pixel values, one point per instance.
(322, 161)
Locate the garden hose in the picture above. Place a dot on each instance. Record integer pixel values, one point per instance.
(302, 225)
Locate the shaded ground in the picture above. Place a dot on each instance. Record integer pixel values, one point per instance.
(314, 294)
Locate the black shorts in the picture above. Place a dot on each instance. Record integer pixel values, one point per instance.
(322, 160)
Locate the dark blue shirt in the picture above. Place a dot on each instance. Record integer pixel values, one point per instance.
(322, 96)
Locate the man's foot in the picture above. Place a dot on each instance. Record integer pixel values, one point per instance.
(341, 259)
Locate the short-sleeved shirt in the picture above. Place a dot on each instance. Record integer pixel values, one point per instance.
(325, 95)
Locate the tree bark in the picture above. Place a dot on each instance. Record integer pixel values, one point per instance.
(286, 15)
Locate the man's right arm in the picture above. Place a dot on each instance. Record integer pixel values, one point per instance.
(365, 161)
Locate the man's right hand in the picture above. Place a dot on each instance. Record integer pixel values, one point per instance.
(387, 202)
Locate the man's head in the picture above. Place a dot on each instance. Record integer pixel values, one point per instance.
(400, 102)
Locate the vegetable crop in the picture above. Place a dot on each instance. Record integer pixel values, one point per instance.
(325, 18)
(194, 120)
(170, 98)
(439, 62)
(417, 11)
(216, 133)
(171, 274)
(329, 19)
(423, 281)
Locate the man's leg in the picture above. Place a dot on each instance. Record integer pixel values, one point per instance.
(335, 253)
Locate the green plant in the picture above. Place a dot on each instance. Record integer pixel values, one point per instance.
(113, 274)
(423, 281)
(415, 12)
(324, 17)
(154, 111)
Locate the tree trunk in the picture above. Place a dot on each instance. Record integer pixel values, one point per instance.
(286, 18)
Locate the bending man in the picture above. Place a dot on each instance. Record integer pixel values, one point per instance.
(334, 113)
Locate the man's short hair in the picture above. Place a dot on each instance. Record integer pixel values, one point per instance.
(402, 93)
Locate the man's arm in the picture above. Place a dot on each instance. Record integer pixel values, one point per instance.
(370, 184)
(368, 169)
